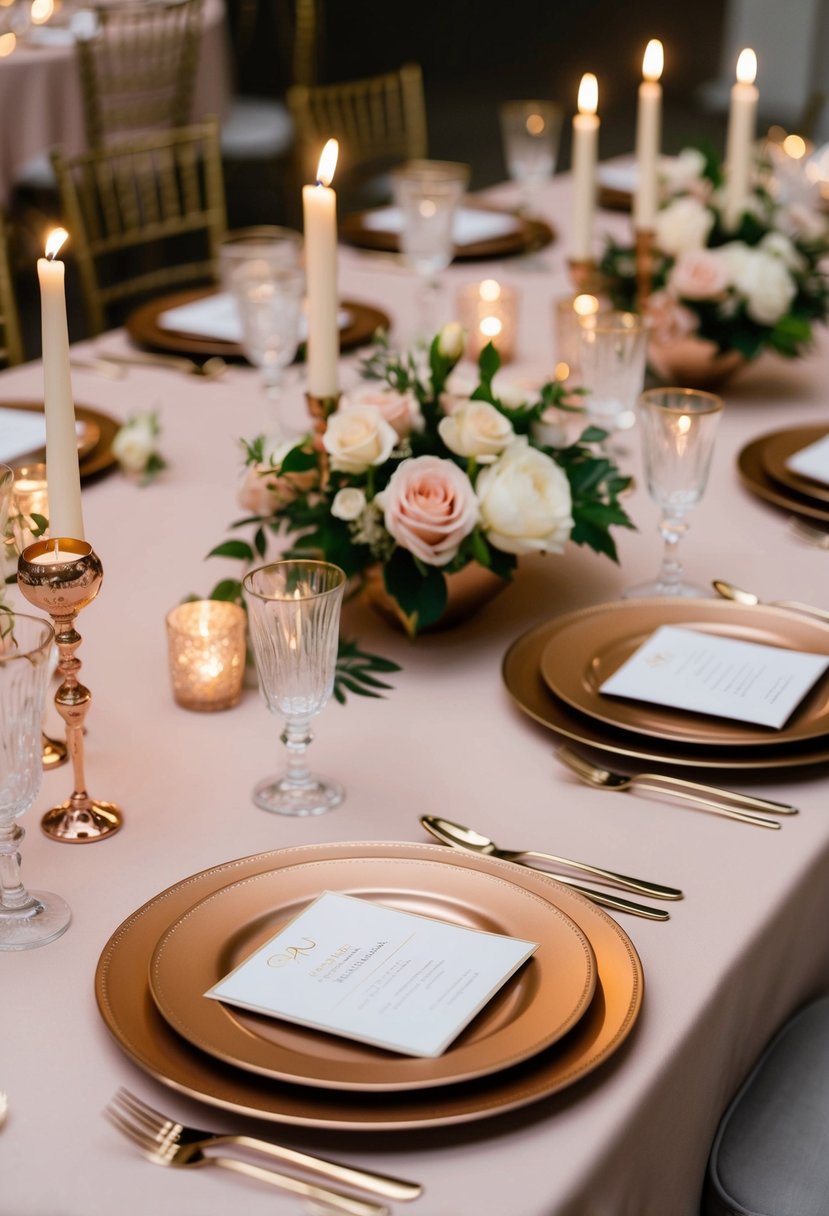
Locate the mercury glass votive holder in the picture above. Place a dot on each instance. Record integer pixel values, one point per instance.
(206, 641)
(488, 312)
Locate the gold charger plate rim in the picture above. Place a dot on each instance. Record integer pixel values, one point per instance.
(128, 1011)
(551, 992)
(569, 647)
(100, 457)
(521, 675)
(754, 477)
(777, 449)
(142, 326)
(530, 233)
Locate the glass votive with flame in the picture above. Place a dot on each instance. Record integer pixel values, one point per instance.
(207, 643)
(568, 312)
(30, 504)
(488, 312)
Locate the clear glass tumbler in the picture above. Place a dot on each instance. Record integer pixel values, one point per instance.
(530, 131)
(612, 352)
(27, 918)
(294, 609)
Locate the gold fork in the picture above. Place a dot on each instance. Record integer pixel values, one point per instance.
(808, 533)
(161, 1137)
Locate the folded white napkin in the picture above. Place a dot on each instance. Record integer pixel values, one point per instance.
(812, 461)
(21, 432)
(216, 317)
(470, 226)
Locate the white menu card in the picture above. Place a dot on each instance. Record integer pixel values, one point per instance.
(470, 225)
(812, 461)
(21, 432)
(365, 971)
(217, 316)
(746, 681)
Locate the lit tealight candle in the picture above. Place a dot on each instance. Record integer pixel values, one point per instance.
(206, 641)
(55, 556)
(62, 468)
(648, 137)
(742, 116)
(488, 313)
(585, 153)
(319, 207)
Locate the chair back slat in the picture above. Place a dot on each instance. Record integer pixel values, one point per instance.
(11, 344)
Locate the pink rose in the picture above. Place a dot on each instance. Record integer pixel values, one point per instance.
(667, 319)
(699, 274)
(263, 491)
(429, 506)
(400, 410)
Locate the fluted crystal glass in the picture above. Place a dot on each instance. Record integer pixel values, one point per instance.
(27, 918)
(294, 611)
(678, 428)
(612, 349)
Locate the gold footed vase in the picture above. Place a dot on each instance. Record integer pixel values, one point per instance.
(61, 589)
(468, 591)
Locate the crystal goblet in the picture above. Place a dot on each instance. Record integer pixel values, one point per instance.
(27, 918)
(294, 609)
(427, 194)
(678, 428)
(530, 131)
(612, 351)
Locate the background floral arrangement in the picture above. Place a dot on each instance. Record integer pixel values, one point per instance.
(754, 286)
(410, 478)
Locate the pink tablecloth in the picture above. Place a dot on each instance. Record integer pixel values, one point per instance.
(746, 946)
(41, 105)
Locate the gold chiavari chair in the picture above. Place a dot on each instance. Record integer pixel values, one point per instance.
(136, 211)
(138, 71)
(379, 121)
(11, 343)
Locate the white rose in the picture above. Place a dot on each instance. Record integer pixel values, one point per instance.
(135, 443)
(357, 437)
(476, 428)
(682, 172)
(766, 284)
(781, 246)
(525, 502)
(349, 503)
(450, 341)
(463, 381)
(549, 430)
(683, 224)
(803, 222)
(400, 410)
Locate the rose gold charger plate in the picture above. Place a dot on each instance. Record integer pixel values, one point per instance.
(143, 327)
(94, 444)
(534, 1009)
(779, 447)
(132, 1017)
(589, 645)
(753, 474)
(521, 673)
(529, 235)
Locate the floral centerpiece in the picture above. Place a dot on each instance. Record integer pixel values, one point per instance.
(409, 479)
(739, 289)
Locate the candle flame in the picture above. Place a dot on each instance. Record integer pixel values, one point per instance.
(54, 242)
(41, 11)
(328, 163)
(794, 146)
(490, 290)
(683, 424)
(588, 94)
(585, 305)
(746, 66)
(7, 44)
(490, 327)
(653, 61)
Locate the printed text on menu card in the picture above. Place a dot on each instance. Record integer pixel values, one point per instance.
(370, 972)
(692, 670)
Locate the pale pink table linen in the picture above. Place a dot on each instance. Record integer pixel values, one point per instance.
(41, 104)
(746, 946)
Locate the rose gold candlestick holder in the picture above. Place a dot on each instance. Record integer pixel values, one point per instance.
(644, 266)
(61, 589)
(321, 409)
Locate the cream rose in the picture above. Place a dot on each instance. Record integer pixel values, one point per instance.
(400, 410)
(699, 274)
(683, 172)
(667, 319)
(357, 437)
(525, 502)
(429, 506)
(135, 443)
(349, 503)
(450, 341)
(462, 382)
(476, 428)
(765, 283)
(683, 224)
(781, 246)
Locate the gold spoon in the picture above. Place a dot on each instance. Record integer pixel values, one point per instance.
(211, 369)
(729, 592)
(677, 787)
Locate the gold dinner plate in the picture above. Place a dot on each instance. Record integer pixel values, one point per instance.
(589, 645)
(754, 476)
(143, 327)
(528, 235)
(535, 1007)
(521, 672)
(94, 443)
(130, 1013)
(779, 447)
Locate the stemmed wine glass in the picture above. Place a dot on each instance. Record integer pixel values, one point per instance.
(260, 267)
(27, 918)
(530, 131)
(678, 428)
(427, 194)
(294, 609)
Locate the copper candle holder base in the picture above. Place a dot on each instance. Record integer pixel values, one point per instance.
(644, 266)
(54, 752)
(320, 409)
(586, 277)
(61, 588)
